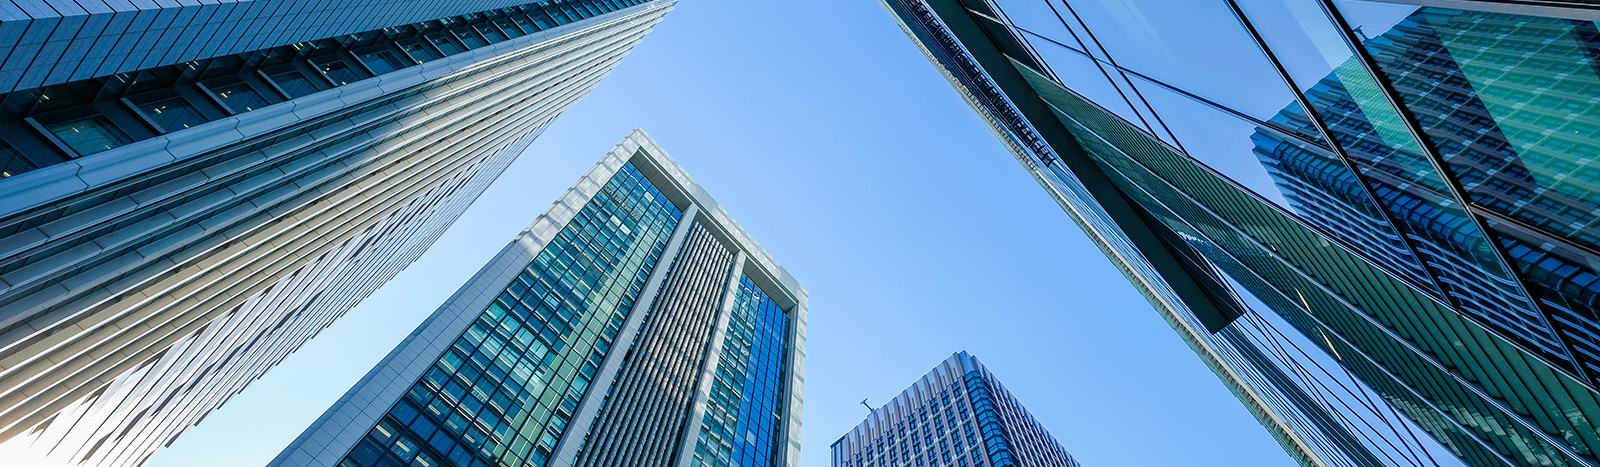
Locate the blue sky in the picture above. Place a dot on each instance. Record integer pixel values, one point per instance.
(829, 137)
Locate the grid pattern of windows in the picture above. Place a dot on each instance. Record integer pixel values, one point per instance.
(958, 415)
(173, 114)
(1451, 149)
(252, 80)
(504, 392)
(744, 410)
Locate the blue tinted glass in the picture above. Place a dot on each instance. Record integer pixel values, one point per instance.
(745, 408)
(509, 399)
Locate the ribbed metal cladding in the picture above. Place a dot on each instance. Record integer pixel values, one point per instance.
(642, 421)
(125, 337)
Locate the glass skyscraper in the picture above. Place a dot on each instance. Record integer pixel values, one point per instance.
(189, 192)
(957, 415)
(1375, 221)
(634, 323)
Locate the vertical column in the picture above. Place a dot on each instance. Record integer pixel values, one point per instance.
(697, 409)
(589, 407)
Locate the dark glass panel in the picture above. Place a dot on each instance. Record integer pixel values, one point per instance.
(294, 84)
(12, 162)
(339, 72)
(383, 61)
(89, 135)
(240, 97)
(173, 114)
(1397, 170)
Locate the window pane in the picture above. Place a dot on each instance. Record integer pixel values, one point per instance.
(491, 33)
(339, 72)
(467, 37)
(1509, 102)
(89, 135)
(240, 97)
(294, 84)
(419, 52)
(382, 61)
(445, 45)
(510, 29)
(12, 162)
(1395, 167)
(173, 114)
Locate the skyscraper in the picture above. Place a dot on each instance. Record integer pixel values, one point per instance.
(956, 415)
(634, 323)
(190, 192)
(1373, 221)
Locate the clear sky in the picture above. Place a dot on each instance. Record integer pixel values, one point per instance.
(829, 137)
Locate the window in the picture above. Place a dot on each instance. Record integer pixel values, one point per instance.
(419, 52)
(467, 37)
(12, 162)
(172, 114)
(339, 72)
(491, 33)
(383, 61)
(509, 28)
(89, 135)
(445, 45)
(240, 97)
(294, 84)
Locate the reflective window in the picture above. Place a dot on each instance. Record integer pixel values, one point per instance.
(240, 97)
(505, 390)
(383, 61)
(294, 84)
(419, 51)
(89, 135)
(173, 114)
(509, 28)
(12, 162)
(445, 45)
(490, 32)
(339, 72)
(1395, 167)
(1510, 101)
(741, 422)
(466, 36)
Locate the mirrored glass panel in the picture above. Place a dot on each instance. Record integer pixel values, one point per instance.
(1392, 162)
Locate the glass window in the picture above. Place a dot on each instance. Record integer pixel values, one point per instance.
(1394, 165)
(173, 114)
(490, 32)
(445, 45)
(466, 36)
(339, 72)
(294, 84)
(1508, 100)
(509, 28)
(526, 24)
(383, 61)
(89, 135)
(12, 162)
(240, 97)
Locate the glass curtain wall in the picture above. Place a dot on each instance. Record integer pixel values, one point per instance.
(1453, 149)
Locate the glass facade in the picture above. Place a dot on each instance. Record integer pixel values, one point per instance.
(1403, 190)
(744, 410)
(958, 415)
(504, 392)
(85, 118)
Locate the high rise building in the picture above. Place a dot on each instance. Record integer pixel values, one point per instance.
(957, 415)
(1375, 221)
(190, 192)
(634, 323)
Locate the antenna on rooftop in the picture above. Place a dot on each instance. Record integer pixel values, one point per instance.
(864, 404)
